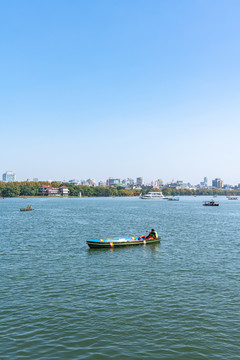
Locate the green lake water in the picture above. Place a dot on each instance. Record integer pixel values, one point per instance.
(179, 299)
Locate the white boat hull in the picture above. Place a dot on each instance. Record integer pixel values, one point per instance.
(153, 196)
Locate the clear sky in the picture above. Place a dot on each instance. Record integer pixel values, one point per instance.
(120, 88)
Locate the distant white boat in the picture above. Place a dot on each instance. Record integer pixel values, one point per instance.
(153, 196)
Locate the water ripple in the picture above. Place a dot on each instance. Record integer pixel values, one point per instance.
(176, 300)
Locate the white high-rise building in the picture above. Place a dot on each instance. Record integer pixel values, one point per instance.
(9, 176)
(140, 181)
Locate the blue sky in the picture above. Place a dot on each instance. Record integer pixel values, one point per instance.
(120, 89)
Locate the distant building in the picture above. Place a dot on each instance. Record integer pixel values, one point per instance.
(155, 184)
(179, 184)
(73, 182)
(217, 183)
(102, 183)
(171, 184)
(63, 190)
(9, 176)
(48, 190)
(91, 182)
(140, 181)
(88, 182)
(204, 183)
(113, 182)
(130, 181)
(228, 187)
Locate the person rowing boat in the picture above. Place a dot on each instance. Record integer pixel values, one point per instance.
(152, 235)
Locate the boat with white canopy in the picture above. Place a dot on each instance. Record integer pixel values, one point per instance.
(153, 196)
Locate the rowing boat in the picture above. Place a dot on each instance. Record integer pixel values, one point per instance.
(109, 243)
(28, 208)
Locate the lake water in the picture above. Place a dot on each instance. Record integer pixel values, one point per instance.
(179, 299)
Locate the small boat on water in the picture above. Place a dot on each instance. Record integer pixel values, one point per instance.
(210, 203)
(28, 208)
(232, 197)
(109, 243)
(173, 199)
(153, 196)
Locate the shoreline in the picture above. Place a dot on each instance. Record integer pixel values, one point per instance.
(115, 196)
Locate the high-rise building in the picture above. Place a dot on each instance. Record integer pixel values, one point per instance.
(102, 183)
(130, 181)
(113, 182)
(204, 183)
(140, 181)
(155, 184)
(217, 183)
(9, 176)
(91, 182)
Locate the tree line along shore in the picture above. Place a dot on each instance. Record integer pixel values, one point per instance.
(31, 188)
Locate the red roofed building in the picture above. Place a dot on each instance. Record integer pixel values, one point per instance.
(48, 190)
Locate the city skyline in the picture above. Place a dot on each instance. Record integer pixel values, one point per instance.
(120, 89)
(105, 178)
(10, 176)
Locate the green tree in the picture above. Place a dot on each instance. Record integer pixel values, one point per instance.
(55, 184)
(74, 190)
(11, 191)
